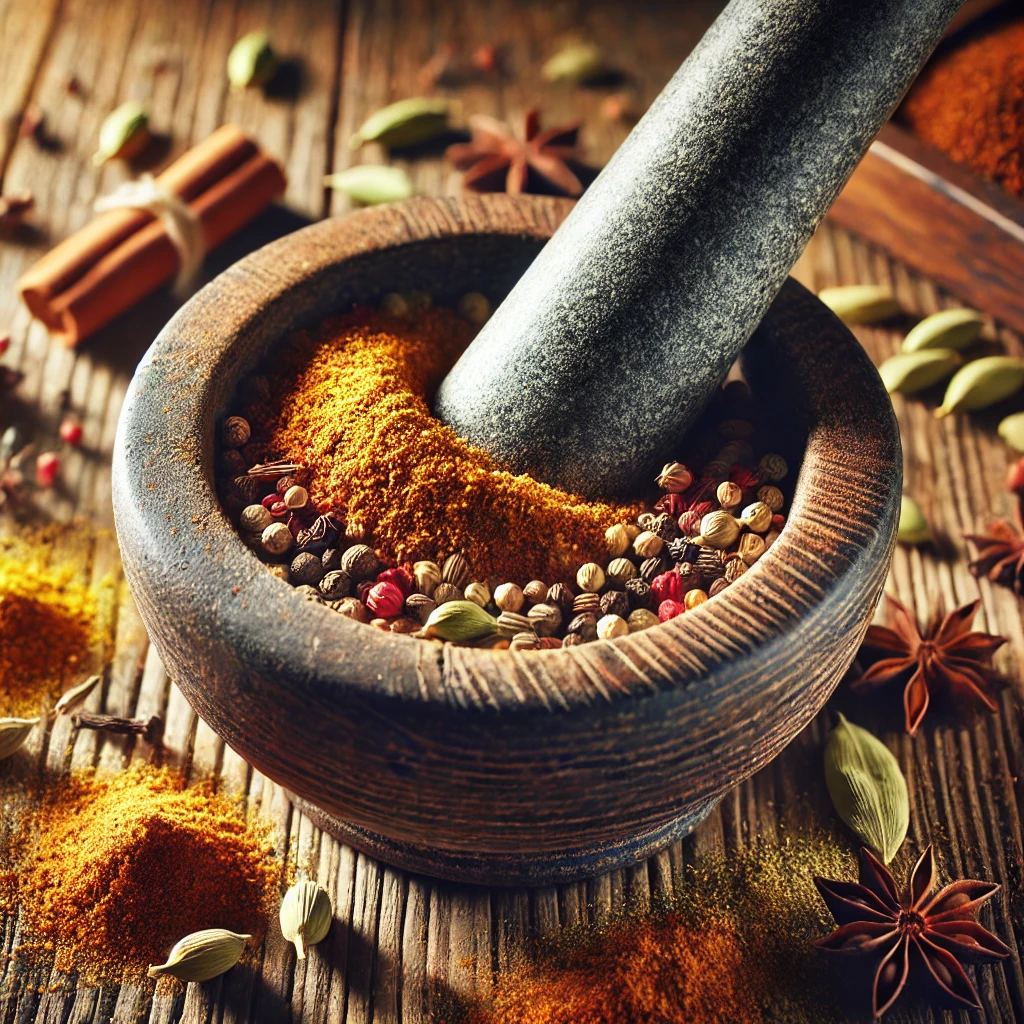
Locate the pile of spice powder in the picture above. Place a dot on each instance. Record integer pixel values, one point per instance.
(48, 622)
(112, 871)
(969, 103)
(733, 945)
(352, 405)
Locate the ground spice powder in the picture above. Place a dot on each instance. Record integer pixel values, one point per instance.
(969, 103)
(47, 623)
(352, 405)
(111, 872)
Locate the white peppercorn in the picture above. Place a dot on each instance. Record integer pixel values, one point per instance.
(619, 570)
(277, 539)
(509, 597)
(648, 544)
(640, 619)
(427, 575)
(255, 519)
(617, 540)
(478, 593)
(590, 577)
(611, 626)
(296, 497)
(757, 516)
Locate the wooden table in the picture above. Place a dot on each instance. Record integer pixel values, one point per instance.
(398, 936)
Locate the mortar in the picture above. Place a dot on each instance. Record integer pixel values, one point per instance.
(495, 766)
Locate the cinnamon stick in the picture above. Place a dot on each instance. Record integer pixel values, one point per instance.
(123, 255)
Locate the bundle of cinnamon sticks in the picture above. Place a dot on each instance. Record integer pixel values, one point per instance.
(124, 254)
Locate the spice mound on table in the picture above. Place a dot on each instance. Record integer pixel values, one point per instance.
(111, 872)
(338, 475)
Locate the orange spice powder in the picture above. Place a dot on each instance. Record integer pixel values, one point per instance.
(352, 405)
(111, 872)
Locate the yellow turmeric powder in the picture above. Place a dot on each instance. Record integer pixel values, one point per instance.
(352, 405)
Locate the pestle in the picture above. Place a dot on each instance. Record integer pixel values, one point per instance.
(615, 339)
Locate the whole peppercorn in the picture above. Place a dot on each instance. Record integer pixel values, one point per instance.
(363, 589)
(709, 564)
(590, 577)
(585, 625)
(456, 570)
(255, 519)
(619, 570)
(648, 544)
(235, 432)
(674, 477)
(419, 607)
(667, 587)
(640, 619)
(611, 626)
(335, 585)
(617, 540)
(560, 596)
(645, 523)
(403, 624)
(717, 470)
(323, 533)
(735, 569)
(306, 569)
(246, 489)
(231, 464)
(478, 593)
(277, 539)
(729, 494)
(772, 497)
(717, 587)
(427, 576)
(683, 550)
(751, 548)
(385, 599)
(509, 597)
(639, 592)
(615, 602)
(510, 623)
(535, 591)
(524, 642)
(296, 497)
(400, 576)
(778, 522)
(331, 559)
(773, 468)
(718, 530)
(586, 602)
(352, 608)
(669, 610)
(572, 640)
(284, 484)
(652, 567)
(445, 592)
(757, 516)
(360, 562)
(689, 523)
(666, 528)
(546, 619)
(671, 504)
(694, 598)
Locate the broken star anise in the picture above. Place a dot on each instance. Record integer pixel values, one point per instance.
(1000, 554)
(946, 655)
(907, 930)
(497, 160)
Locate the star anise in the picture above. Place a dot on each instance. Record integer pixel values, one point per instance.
(497, 160)
(946, 655)
(1000, 554)
(905, 930)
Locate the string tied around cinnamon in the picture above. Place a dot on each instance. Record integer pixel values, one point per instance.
(183, 226)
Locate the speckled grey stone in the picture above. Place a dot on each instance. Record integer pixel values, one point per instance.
(612, 343)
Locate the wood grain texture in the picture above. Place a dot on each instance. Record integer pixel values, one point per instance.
(965, 773)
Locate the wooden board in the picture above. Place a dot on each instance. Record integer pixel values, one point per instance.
(398, 939)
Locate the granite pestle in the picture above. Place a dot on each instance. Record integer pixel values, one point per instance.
(612, 343)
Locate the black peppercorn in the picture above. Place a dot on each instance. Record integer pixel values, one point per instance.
(331, 559)
(231, 464)
(682, 550)
(306, 569)
(652, 567)
(335, 585)
(666, 527)
(573, 640)
(585, 625)
(321, 534)
(638, 590)
(615, 602)
(561, 596)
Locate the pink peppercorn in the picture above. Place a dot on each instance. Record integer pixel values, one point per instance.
(672, 504)
(670, 609)
(400, 577)
(1015, 476)
(778, 521)
(279, 510)
(47, 465)
(270, 501)
(71, 431)
(385, 599)
(667, 587)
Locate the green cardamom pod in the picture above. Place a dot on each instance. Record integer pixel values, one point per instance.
(306, 915)
(860, 303)
(203, 955)
(950, 328)
(909, 372)
(13, 733)
(123, 134)
(575, 64)
(405, 123)
(459, 622)
(371, 184)
(252, 61)
(867, 788)
(1011, 430)
(982, 383)
(74, 697)
(913, 528)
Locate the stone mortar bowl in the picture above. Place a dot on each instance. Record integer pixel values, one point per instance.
(476, 765)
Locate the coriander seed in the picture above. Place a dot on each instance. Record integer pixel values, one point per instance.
(456, 570)
(445, 593)
(511, 623)
(427, 576)
(524, 642)
(586, 602)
